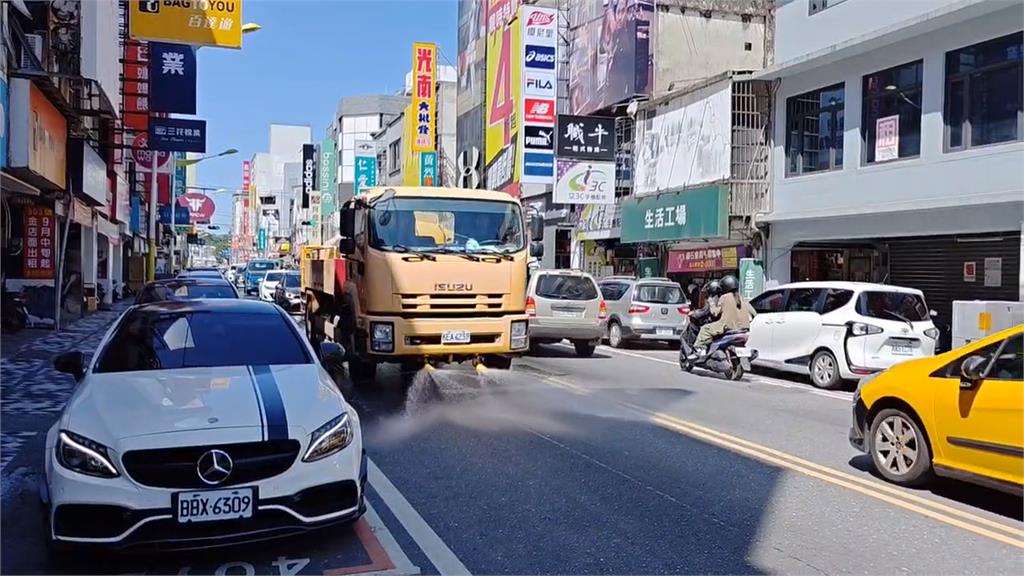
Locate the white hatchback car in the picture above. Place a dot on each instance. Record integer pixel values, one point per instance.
(840, 330)
(201, 423)
(269, 283)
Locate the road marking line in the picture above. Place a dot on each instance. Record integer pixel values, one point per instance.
(760, 379)
(439, 554)
(402, 564)
(885, 492)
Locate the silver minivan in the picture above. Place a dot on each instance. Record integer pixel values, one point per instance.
(644, 309)
(566, 305)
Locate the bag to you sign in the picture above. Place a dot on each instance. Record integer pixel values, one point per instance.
(177, 135)
(172, 78)
(195, 22)
(586, 137)
(309, 179)
(585, 182)
(689, 214)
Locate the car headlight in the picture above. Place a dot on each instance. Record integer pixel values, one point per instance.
(328, 439)
(382, 336)
(85, 456)
(519, 333)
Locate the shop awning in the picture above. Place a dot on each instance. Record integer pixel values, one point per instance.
(10, 183)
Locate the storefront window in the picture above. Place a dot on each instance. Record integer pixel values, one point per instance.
(984, 104)
(814, 140)
(891, 126)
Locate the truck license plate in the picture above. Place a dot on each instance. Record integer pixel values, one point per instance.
(455, 337)
(209, 505)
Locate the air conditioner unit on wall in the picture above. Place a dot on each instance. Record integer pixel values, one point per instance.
(34, 43)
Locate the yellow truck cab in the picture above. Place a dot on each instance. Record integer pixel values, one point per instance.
(430, 275)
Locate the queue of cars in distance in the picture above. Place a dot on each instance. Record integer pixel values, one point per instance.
(959, 415)
(268, 284)
(277, 449)
(189, 288)
(287, 293)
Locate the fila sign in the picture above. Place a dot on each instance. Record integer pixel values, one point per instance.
(539, 84)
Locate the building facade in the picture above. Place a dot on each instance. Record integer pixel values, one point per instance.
(357, 119)
(898, 147)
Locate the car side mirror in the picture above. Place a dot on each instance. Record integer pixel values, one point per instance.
(71, 363)
(536, 249)
(972, 371)
(332, 353)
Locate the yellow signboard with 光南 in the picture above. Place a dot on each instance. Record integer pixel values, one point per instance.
(194, 22)
(424, 100)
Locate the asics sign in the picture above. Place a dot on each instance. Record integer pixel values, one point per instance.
(540, 84)
(542, 57)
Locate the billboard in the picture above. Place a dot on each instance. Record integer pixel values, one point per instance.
(172, 78)
(539, 28)
(504, 67)
(611, 60)
(424, 97)
(687, 143)
(309, 178)
(177, 134)
(135, 84)
(40, 236)
(469, 124)
(585, 182)
(587, 137)
(203, 23)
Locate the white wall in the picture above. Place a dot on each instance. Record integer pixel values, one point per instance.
(353, 129)
(100, 56)
(691, 47)
(798, 34)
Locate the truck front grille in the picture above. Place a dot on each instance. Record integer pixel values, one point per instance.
(451, 303)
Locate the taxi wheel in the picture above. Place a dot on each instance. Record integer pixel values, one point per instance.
(825, 370)
(899, 448)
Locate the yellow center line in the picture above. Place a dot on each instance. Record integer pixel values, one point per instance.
(890, 494)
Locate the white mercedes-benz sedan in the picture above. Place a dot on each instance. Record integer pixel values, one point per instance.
(201, 423)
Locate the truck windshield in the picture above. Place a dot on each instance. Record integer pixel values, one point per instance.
(438, 224)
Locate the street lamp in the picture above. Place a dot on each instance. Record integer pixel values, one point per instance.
(182, 162)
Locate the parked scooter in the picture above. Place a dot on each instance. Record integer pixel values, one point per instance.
(15, 313)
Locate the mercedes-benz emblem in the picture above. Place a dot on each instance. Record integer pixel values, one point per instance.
(214, 467)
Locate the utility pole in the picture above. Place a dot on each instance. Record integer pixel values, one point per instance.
(152, 218)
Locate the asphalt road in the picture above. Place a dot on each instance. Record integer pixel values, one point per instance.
(614, 464)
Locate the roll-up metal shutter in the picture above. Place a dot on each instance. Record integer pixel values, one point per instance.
(935, 265)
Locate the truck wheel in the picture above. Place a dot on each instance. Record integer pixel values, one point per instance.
(499, 362)
(361, 372)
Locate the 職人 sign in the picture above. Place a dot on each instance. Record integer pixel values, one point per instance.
(196, 22)
(698, 213)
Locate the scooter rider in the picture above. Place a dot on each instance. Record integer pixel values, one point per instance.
(707, 313)
(736, 315)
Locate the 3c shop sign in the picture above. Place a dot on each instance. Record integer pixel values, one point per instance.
(540, 57)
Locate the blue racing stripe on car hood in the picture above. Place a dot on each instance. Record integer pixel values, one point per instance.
(273, 405)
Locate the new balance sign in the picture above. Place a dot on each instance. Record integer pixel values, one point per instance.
(540, 57)
(540, 111)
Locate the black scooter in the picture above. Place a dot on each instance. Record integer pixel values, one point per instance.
(727, 354)
(15, 313)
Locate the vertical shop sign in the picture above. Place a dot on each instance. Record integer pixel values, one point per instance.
(172, 78)
(751, 277)
(539, 34)
(428, 168)
(40, 243)
(136, 86)
(246, 182)
(328, 174)
(366, 163)
(309, 179)
(424, 83)
(502, 95)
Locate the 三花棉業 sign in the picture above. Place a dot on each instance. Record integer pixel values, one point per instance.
(424, 82)
(701, 259)
(172, 78)
(697, 213)
(177, 135)
(195, 22)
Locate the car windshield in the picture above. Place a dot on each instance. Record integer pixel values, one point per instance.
(902, 306)
(659, 294)
(261, 266)
(291, 281)
(200, 274)
(273, 277)
(432, 224)
(564, 287)
(184, 291)
(158, 340)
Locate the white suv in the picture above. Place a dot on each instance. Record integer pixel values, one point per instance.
(840, 330)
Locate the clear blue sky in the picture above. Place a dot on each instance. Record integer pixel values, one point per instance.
(293, 71)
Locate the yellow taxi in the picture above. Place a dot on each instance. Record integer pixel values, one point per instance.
(958, 415)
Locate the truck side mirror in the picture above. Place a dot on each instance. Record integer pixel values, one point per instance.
(347, 230)
(347, 246)
(536, 227)
(537, 249)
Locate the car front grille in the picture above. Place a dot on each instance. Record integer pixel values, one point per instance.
(176, 467)
(451, 303)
